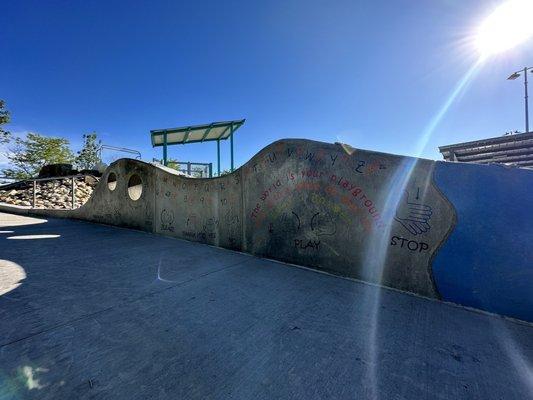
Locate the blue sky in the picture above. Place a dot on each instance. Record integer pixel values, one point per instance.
(368, 73)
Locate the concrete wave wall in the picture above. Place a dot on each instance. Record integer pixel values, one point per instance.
(437, 229)
(487, 262)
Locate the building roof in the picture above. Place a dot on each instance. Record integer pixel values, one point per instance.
(195, 133)
(514, 149)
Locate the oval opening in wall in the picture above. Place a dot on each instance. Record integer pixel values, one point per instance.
(112, 181)
(135, 187)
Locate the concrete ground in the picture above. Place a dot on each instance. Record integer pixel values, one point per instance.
(91, 311)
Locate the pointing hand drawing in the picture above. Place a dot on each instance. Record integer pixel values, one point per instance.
(413, 216)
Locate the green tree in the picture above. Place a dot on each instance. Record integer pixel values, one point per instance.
(4, 119)
(174, 165)
(89, 155)
(30, 154)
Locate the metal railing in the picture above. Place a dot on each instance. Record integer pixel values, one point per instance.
(6, 180)
(72, 187)
(190, 169)
(121, 149)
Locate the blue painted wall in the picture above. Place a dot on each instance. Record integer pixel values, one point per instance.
(487, 261)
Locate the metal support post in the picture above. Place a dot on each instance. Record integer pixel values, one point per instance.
(231, 144)
(34, 193)
(165, 148)
(527, 110)
(218, 156)
(73, 192)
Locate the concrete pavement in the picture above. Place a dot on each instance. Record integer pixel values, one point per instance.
(91, 311)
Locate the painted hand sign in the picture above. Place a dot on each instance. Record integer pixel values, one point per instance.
(413, 216)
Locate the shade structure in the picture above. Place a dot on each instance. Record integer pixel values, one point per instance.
(195, 134)
(515, 150)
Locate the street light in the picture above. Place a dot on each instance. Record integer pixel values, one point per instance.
(516, 75)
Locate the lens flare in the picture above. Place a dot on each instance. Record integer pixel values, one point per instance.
(507, 26)
(376, 253)
(458, 89)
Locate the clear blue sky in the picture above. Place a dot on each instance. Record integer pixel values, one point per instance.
(368, 73)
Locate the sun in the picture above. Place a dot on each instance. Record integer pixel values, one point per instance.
(507, 26)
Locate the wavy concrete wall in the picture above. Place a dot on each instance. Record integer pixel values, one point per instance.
(487, 262)
(437, 229)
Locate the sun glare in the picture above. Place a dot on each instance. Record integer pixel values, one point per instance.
(509, 25)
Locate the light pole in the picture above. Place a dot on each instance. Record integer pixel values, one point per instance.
(515, 75)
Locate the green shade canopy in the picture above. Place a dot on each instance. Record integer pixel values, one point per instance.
(195, 133)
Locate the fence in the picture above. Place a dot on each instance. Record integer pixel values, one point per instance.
(193, 169)
(72, 183)
(120, 150)
(5, 180)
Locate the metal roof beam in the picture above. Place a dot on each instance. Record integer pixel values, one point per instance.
(186, 135)
(224, 132)
(495, 154)
(236, 123)
(526, 157)
(488, 142)
(202, 130)
(498, 147)
(207, 132)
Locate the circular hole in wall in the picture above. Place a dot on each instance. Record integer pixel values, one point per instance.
(112, 181)
(135, 187)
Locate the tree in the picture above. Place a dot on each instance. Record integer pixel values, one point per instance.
(30, 154)
(225, 172)
(174, 165)
(4, 119)
(89, 155)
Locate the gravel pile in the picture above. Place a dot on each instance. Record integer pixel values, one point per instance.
(56, 194)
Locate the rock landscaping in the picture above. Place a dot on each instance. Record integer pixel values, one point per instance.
(54, 194)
